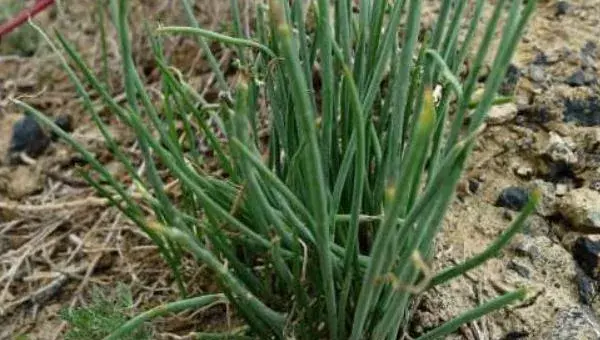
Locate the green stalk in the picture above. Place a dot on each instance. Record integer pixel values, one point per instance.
(316, 181)
(212, 61)
(474, 314)
(493, 249)
(469, 86)
(217, 36)
(200, 302)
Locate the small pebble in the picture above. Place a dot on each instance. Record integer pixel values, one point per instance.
(513, 198)
(540, 59)
(524, 171)
(576, 79)
(560, 149)
(562, 7)
(589, 49)
(510, 81)
(561, 189)
(595, 185)
(28, 137)
(65, 123)
(581, 78)
(474, 185)
(537, 74)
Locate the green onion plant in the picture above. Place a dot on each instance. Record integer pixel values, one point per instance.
(324, 228)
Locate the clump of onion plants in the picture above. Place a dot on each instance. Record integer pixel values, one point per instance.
(326, 228)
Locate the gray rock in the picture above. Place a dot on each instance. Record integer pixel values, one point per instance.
(527, 247)
(547, 205)
(537, 73)
(581, 208)
(560, 150)
(575, 323)
(500, 114)
(581, 78)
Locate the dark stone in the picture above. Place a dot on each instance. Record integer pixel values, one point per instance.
(589, 49)
(537, 114)
(516, 335)
(562, 7)
(581, 78)
(65, 123)
(576, 79)
(560, 172)
(595, 185)
(584, 112)
(587, 255)
(474, 185)
(513, 198)
(586, 286)
(519, 268)
(511, 78)
(28, 137)
(540, 59)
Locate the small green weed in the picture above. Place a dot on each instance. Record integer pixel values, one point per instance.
(104, 314)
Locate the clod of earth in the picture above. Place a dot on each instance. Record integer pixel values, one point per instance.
(20, 181)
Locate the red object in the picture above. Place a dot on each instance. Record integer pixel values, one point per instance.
(23, 16)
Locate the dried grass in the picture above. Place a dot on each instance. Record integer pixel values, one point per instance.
(56, 244)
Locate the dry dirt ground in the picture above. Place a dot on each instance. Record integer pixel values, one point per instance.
(57, 240)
